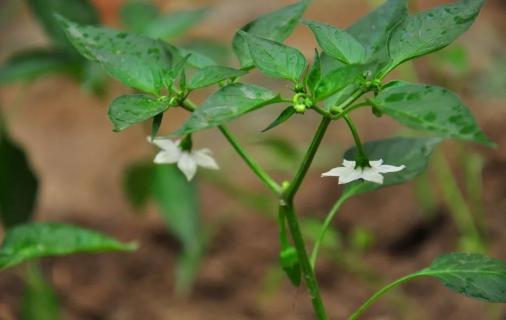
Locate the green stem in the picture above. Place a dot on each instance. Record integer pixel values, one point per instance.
(287, 194)
(337, 116)
(352, 98)
(286, 209)
(326, 225)
(321, 111)
(264, 176)
(315, 143)
(187, 104)
(283, 236)
(364, 307)
(308, 159)
(257, 169)
(350, 109)
(362, 159)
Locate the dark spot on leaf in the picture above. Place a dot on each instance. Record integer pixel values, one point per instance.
(431, 116)
(463, 20)
(467, 129)
(153, 51)
(396, 97)
(413, 96)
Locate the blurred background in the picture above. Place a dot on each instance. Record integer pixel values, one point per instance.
(220, 260)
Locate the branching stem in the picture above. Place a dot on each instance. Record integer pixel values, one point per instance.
(254, 166)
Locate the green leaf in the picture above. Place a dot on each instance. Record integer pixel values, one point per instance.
(174, 24)
(178, 71)
(329, 65)
(137, 184)
(39, 300)
(431, 30)
(276, 26)
(213, 49)
(338, 43)
(315, 73)
(80, 11)
(429, 108)
(472, 275)
(373, 30)
(195, 58)
(275, 59)
(131, 109)
(37, 240)
(139, 62)
(285, 115)
(226, 104)
(136, 15)
(414, 153)
(18, 183)
(178, 202)
(210, 75)
(30, 64)
(337, 80)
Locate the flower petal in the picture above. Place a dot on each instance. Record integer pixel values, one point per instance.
(372, 175)
(164, 143)
(387, 168)
(375, 163)
(349, 163)
(337, 172)
(203, 158)
(166, 157)
(187, 165)
(351, 175)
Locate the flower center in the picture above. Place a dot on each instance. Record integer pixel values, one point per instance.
(362, 162)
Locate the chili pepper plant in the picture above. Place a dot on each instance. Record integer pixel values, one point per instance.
(347, 72)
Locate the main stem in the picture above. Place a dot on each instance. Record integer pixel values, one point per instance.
(287, 195)
(307, 271)
(286, 204)
(287, 209)
(308, 159)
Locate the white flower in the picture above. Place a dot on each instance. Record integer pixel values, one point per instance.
(187, 161)
(349, 172)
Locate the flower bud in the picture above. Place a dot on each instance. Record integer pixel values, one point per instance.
(299, 108)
